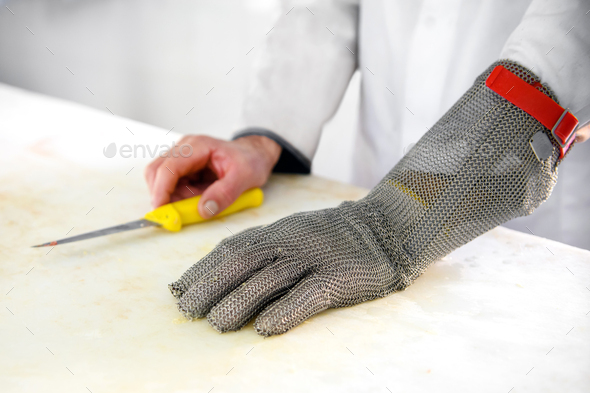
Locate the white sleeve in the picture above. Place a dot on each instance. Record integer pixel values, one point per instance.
(303, 72)
(553, 39)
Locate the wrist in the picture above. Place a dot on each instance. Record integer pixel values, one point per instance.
(268, 149)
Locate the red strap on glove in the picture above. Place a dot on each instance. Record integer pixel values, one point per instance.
(560, 121)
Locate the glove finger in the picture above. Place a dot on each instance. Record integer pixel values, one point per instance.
(212, 286)
(227, 248)
(307, 298)
(237, 308)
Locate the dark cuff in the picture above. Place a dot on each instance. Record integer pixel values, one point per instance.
(291, 159)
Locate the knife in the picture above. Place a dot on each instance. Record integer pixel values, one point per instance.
(171, 216)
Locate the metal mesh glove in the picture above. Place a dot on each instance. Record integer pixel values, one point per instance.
(474, 170)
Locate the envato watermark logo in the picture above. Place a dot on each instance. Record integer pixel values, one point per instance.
(135, 151)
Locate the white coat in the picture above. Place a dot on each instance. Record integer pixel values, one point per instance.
(416, 59)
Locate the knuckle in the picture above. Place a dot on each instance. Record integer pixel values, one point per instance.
(200, 139)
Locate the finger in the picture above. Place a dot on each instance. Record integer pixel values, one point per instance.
(307, 298)
(172, 169)
(216, 283)
(583, 134)
(222, 193)
(150, 172)
(187, 187)
(227, 249)
(237, 308)
(184, 190)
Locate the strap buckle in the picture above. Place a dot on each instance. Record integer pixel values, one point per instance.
(563, 130)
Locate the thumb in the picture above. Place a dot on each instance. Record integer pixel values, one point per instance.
(221, 193)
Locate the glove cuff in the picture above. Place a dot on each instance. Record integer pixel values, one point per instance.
(475, 169)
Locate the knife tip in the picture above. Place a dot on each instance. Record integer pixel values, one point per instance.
(53, 243)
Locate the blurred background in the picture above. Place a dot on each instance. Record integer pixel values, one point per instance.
(154, 61)
(184, 65)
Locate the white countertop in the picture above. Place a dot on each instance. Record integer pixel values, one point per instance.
(507, 311)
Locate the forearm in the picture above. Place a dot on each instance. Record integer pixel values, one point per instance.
(474, 170)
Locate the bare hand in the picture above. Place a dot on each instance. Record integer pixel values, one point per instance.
(217, 169)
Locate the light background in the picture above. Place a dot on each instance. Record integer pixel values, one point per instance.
(153, 61)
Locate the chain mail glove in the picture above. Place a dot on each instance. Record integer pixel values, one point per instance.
(474, 170)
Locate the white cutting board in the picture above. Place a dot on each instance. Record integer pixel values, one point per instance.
(507, 311)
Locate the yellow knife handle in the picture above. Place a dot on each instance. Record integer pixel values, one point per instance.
(174, 215)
